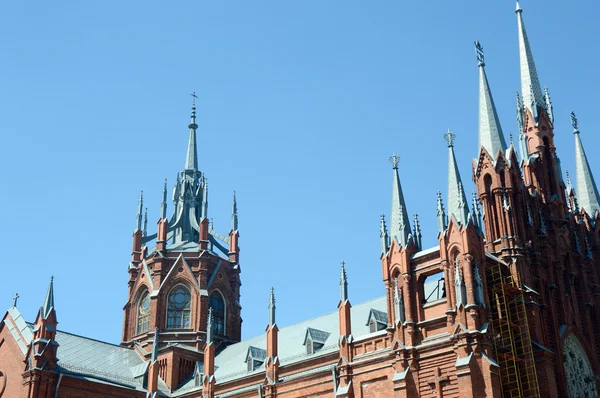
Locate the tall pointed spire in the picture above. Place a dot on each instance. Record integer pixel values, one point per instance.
(490, 131)
(343, 283)
(139, 216)
(399, 225)
(383, 235)
(587, 192)
(457, 201)
(272, 307)
(48, 301)
(530, 84)
(441, 214)
(191, 160)
(417, 234)
(163, 205)
(234, 214)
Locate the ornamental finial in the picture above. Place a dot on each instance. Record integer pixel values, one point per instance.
(394, 160)
(450, 137)
(479, 52)
(194, 96)
(574, 122)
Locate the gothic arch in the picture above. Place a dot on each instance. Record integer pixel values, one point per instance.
(184, 321)
(143, 293)
(220, 330)
(578, 369)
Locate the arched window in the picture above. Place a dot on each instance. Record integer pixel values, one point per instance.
(178, 309)
(217, 304)
(143, 313)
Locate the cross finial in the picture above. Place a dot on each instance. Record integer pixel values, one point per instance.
(450, 137)
(479, 52)
(574, 122)
(15, 299)
(194, 96)
(394, 159)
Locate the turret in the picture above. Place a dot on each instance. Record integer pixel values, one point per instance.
(587, 191)
(458, 208)
(399, 225)
(272, 356)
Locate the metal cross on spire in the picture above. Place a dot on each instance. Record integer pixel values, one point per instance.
(194, 96)
(15, 299)
(479, 53)
(394, 160)
(574, 121)
(450, 137)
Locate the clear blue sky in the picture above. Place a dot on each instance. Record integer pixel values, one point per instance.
(301, 104)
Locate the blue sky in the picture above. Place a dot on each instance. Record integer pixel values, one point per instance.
(300, 105)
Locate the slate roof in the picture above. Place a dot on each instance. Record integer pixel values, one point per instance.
(231, 363)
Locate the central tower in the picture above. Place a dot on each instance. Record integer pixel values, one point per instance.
(178, 274)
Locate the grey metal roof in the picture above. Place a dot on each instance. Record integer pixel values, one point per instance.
(457, 201)
(379, 316)
(530, 84)
(399, 223)
(17, 328)
(231, 361)
(316, 335)
(490, 131)
(587, 192)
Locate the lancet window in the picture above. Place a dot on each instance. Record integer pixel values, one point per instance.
(217, 304)
(143, 313)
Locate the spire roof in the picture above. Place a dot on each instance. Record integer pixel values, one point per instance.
(343, 283)
(383, 235)
(399, 225)
(234, 214)
(191, 160)
(48, 301)
(490, 131)
(163, 205)
(530, 84)
(272, 307)
(139, 217)
(587, 192)
(457, 201)
(441, 214)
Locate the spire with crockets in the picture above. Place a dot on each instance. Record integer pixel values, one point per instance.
(48, 305)
(190, 201)
(531, 91)
(587, 192)
(399, 225)
(272, 307)
(343, 283)
(490, 131)
(458, 207)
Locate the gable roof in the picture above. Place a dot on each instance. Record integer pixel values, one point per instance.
(231, 362)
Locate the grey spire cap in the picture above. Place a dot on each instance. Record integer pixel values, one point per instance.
(272, 307)
(343, 283)
(209, 327)
(399, 225)
(417, 232)
(49, 300)
(587, 192)
(457, 201)
(163, 205)
(490, 131)
(234, 214)
(139, 217)
(441, 214)
(191, 161)
(530, 84)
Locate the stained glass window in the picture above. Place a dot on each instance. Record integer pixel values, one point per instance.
(218, 310)
(143, 321)
(179, 306)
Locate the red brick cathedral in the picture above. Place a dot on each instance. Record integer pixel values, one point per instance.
(507, 305)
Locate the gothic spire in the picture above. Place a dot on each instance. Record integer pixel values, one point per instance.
(418, 235)
(399, 225)
(234, 214)
(343, 283)
(477, 213)
(383, 235)
(548, 104)
(441, 214)
(163, 205)
(272, 307)
(530, 84)
(48, 301)
(191, 160)
(587, 192)
(457, 201)
(139, 216)
(145, 227)
(209, 327)
(490, 131)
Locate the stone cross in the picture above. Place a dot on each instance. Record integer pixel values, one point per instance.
(15, 299)
(437, 381)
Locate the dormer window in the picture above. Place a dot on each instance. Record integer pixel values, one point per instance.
(377, 320)
(255, 358)
(314, 340)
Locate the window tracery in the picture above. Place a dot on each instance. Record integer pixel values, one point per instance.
(179, 308)
(143, 313)
(217, 304)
